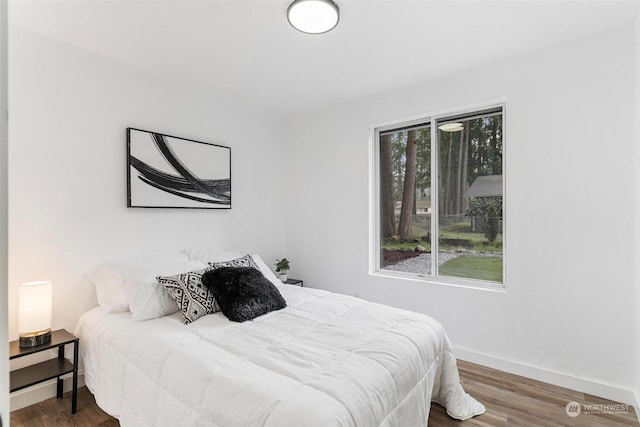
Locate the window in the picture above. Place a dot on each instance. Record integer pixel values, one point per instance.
(441, 176)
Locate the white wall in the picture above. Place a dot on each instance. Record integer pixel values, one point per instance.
(69, 112)
(568, 314)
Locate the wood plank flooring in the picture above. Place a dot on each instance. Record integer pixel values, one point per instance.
(57, 412)
(511, 401)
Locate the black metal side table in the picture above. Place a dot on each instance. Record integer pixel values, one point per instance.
(49, 369)
(296, 282)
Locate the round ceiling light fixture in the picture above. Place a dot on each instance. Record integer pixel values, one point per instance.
(451, 127)
(313, 16)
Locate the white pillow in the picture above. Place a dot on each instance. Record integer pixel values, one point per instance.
(147, 298)
(211, 255)
(109, 277)
(266, 271)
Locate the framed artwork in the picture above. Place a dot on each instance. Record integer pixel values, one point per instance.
(165, 171)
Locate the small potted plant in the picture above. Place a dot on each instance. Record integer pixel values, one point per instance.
(282, 266)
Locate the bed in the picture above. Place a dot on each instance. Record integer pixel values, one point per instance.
(324, 360)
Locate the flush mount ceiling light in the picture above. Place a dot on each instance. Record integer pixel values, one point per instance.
(451, 127)
(313, 16)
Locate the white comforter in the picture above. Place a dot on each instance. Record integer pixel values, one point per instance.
(326, 360)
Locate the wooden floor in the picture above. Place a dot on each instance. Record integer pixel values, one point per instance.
(510, 400)
(57, 412)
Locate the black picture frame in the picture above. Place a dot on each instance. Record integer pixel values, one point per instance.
(166, 171)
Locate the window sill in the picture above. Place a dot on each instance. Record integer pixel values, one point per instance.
(457, 282)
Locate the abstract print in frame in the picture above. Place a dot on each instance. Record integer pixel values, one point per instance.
(165, 171)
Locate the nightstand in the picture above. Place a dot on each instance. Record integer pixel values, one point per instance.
(296, 282)
(47, 370)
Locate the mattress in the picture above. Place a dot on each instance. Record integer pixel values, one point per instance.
(325, 360)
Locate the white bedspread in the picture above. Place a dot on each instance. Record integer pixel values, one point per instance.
(326, 360)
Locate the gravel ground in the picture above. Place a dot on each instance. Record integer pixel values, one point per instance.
(421, 263)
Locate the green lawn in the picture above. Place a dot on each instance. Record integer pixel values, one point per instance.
(399, 245)
(474, 267)
(456, 237)
(461, 231)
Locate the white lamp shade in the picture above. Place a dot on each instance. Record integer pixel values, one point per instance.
(313, 16)
(34, 306)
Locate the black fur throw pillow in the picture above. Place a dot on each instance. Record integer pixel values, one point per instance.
(242, 293)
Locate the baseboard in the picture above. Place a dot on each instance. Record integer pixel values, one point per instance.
(595, 388)
(39, 392)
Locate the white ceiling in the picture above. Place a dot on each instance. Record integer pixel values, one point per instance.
(247, 50)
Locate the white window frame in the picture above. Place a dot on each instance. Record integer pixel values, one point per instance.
(374, 192)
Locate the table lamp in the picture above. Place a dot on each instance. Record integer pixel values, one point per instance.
(34, 313)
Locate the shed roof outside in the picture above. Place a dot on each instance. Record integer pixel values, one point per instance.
(486, 186)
